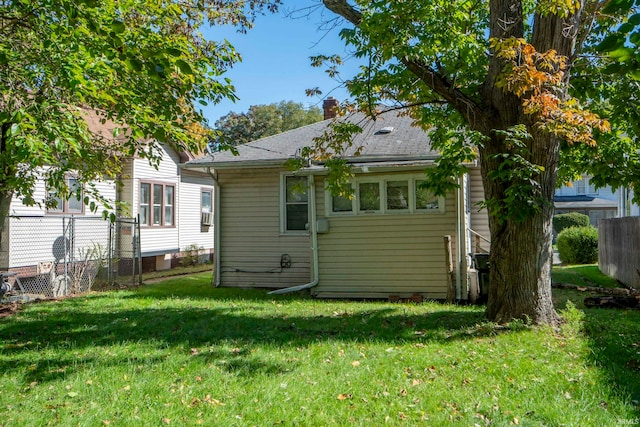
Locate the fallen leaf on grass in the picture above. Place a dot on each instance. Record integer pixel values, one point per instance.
(344, 396)
(213, 401)
(166, 421)
(355, 363)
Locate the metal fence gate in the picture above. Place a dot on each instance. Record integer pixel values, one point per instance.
(54, 256)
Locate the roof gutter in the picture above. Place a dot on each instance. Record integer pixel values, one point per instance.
(314, 246)
(216, 228)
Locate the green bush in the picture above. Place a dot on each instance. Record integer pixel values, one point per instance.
(572, 219)
(578, 245)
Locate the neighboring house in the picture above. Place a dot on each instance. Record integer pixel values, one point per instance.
(581, 196)
(282, 230)
(174, 206)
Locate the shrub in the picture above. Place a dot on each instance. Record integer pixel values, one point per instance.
(572, 219)
(191, 255)
(578, 245)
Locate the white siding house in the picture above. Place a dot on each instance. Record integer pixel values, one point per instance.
(169, 204)
(32, 230)
(169, 201)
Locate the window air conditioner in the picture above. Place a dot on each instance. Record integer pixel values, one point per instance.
(205, 218)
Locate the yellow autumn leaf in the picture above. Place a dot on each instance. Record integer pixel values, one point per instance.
(344, 396)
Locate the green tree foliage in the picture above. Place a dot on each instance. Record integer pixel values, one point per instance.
(571, 219)
(578, 245)
(264, 120)
(535, 91)
(138, 65)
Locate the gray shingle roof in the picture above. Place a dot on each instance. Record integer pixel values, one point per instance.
(404, 143)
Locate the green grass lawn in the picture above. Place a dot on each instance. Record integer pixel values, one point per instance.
(180, 353)
(584, 276)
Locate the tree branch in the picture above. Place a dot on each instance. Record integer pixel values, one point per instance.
(466, 106)
(344, 9)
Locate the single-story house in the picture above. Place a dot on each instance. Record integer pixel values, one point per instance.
(283, 230)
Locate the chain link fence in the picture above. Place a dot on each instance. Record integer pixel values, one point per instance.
(54, 256)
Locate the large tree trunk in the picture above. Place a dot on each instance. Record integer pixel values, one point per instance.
(521, 253)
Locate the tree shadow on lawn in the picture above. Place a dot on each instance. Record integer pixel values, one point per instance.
(78, 337)
(614, 339)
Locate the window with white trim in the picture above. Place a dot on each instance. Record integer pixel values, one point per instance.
(206, 207)
(296, 203)
(73, 205)
(369, 197)
(157, 204)
(386, 196)
(583, 186)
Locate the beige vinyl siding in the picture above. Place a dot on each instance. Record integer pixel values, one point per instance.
(479, 217)
(375, 256)
(250, 240)
(188, 205)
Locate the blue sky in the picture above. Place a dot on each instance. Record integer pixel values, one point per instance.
(276, 65)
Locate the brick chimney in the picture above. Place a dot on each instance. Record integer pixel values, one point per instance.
(330, 105)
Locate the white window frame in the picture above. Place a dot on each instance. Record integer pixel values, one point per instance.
(382, 182)
(382, 200)
(581, 186)
(283, 205)
(206, 214)
(589, 189)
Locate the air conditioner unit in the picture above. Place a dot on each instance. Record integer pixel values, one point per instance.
(206, 218)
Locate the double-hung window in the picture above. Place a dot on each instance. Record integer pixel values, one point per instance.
(157, 204)
(73, 204)
(296, 203)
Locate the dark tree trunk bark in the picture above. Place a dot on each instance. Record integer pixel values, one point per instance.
(521, 251)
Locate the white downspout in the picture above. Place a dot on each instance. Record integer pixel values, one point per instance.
(459, 236)
(216, 229)
(314, 245)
